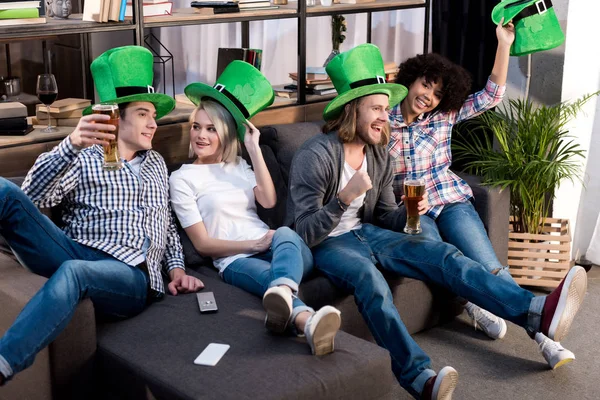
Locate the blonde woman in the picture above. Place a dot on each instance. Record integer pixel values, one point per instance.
(214, 199)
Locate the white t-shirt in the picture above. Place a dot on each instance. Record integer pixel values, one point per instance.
(222, 197)
(350, 219)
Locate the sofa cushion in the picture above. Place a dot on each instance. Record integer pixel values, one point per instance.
(169, 335)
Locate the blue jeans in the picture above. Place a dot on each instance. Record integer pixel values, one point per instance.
(286, 263)
(460, 225)
(350, 261)
(74, 272)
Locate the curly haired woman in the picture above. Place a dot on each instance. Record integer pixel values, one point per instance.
(421, 129)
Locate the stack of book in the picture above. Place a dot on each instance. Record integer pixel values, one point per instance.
(18, 12)
(151, 8)
(13, 119)
(249, 5)
(104, 10)
(64, 112)
(317, 83)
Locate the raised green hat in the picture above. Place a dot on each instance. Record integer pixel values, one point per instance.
(240, 88)
(123, 75)
(536, 25)
(356, 73)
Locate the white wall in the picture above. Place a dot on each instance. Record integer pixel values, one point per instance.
(582, 75)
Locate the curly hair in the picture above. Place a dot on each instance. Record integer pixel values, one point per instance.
(456, 81)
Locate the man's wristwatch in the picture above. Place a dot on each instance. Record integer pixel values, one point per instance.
(342, 205)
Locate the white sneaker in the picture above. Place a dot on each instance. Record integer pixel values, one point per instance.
(491, 325)
(554, 354)
(277, 301)
(321, 328)
(441, 386)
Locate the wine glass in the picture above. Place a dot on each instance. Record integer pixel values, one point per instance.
(47, 91)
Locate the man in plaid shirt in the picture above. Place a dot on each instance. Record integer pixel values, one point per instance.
(117, 235)
(420, 147)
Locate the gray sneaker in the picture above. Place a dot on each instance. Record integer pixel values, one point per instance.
(491, 325)
(555, 355)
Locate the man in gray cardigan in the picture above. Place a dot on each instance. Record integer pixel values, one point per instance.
(341, 203)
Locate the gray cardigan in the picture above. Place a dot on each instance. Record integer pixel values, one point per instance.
(313, 210)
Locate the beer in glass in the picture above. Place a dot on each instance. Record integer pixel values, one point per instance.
(112, 161)
(414, 189)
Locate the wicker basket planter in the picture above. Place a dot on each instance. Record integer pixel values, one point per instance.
(541, 260)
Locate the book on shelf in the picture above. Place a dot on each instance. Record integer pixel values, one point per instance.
(227, 55)
(151, 10)
(312, 78)
(92, 10)
(63, 105)
(282, 91)
(20, 13)
(356, 1)
(218, 7)
(22, 21)
(114, 10)
(247, 5)
(12, 109)
(41, 113)
(269, 7)
(13, 5)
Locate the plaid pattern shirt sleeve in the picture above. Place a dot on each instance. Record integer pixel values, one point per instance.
(423, 148)
(53, 175)
(117, 212)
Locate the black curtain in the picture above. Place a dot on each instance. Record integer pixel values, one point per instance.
(463, 31)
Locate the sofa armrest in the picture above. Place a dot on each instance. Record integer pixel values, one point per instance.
(493, 207)
(64, 368)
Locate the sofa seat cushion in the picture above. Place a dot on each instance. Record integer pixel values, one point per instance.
(155, 350)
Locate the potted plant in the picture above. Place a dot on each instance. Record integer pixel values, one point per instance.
(532, 154)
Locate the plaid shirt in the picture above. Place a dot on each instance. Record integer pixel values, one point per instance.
(113, 211)
(423, 148)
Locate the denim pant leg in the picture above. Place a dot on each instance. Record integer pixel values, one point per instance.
(348, 263)
(115, 288)
(255, 274)
(460, 225)
(291, 259)
(36, 241)
(445, 265)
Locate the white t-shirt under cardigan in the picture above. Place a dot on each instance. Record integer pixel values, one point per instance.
(222, 197)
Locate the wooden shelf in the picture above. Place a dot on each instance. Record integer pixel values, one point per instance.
(189, 16)
(62, 27)
(379, 5)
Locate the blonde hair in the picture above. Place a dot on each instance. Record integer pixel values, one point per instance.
(224, 125)
(345, 124)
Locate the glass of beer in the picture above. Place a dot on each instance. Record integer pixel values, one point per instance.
(414, 189)
(112, 161)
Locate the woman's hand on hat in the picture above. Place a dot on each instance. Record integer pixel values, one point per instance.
(505, 33)
(251, 137)
(91, 130)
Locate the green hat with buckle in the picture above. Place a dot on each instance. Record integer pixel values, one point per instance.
(241, 89)
(536, 25)
(124, 75)
(356, 73)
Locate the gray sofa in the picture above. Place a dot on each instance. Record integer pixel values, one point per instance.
(150, 355)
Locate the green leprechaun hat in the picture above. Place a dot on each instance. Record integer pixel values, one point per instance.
(124, 75)
(240, 88)
(356, 73)
(536, 25)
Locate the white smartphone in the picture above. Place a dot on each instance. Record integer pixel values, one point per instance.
(211, 354)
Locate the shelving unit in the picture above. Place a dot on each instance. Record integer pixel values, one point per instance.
(299, 10)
